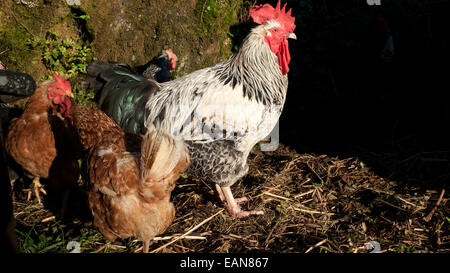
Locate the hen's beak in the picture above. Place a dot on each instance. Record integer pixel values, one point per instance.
(292, 36)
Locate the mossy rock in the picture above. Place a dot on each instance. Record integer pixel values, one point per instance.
(20, 23)
(131, 31)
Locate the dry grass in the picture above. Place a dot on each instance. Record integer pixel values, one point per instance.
(311, 203)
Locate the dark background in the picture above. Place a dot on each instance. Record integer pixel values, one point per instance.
(343, 100)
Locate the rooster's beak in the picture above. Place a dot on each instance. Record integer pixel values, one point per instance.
(69, 94)
(292, 36)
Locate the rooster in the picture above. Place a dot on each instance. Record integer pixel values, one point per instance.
(220, 111)
(130, 177)
(42, 140)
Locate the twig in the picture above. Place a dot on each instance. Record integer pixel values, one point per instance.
(270, 234)
(183, 247)
(392, 205)
(317, 245)
(303, 194)
(20, 23)
(186, 185)
(101, 248)
(3, 52)
(48, 219)
(235, 236)
(192, 237)
(409, 202)
(276, 196)
(314, 171)
(187, 233)
(428, 217)
(182, 217)
(313, 211)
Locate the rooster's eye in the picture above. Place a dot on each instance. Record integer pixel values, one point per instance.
(275, 30)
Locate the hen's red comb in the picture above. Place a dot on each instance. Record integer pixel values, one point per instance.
(172, 59)
(262, 13)
(61, 81)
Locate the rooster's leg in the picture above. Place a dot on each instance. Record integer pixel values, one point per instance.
(36, 188)
(233, 206)
(222, 196)
(220, 192)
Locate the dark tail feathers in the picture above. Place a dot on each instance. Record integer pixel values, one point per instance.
(100, 72)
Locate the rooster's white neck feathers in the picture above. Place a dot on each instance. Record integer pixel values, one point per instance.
(252, 72)
(256, 68)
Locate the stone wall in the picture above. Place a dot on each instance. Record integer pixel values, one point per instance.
(129, 31)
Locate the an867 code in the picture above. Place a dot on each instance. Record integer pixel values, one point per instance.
(245, 262)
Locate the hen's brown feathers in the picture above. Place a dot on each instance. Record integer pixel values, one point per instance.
(130, 177)
(41, 141)
(91, 124)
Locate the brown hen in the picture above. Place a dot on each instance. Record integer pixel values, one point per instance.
(130, 176)
(43, 141)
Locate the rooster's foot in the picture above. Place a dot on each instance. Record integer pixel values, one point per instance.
(222, 196)
(241, 200)
(233, 203)
(244, 213)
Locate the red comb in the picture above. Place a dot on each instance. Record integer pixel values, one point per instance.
(262, 13)
(172, 59)
(171, 54)
(61, 81)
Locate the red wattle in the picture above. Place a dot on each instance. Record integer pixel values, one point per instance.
(67, 105)
(284, 57)
(281, 49)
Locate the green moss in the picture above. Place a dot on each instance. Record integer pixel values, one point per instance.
(13, 33)
(215, 19)
(20, 24)
(11, 41)
(215, 16)
(132, 32)
(69, 56)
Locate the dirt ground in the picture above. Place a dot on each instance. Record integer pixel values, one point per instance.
(312, 203)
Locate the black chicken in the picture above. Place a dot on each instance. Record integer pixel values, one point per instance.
(158, 68)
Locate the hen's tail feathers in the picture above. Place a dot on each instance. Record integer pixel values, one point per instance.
(15, 85)
(162, 156)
